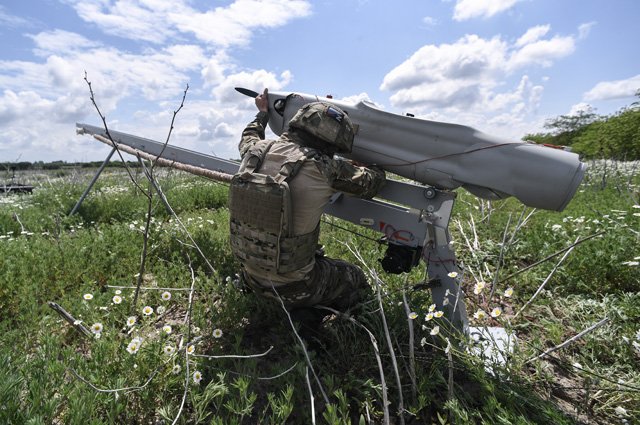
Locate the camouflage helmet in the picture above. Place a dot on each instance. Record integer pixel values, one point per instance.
(327, 123)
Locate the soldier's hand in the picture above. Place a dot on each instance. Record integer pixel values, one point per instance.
(262, 101)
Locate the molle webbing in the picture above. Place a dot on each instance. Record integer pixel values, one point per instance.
(261, 228)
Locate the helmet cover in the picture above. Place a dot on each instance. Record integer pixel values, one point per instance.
(326, 122)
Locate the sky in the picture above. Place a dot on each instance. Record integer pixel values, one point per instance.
(501, 66)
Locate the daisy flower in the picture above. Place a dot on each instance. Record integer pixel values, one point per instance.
(453, 275)
(435, 330)
(147, 310)
(133, 347)
(428, 317)
(191, 349)
(117, 299)
(169, 349)
(432, 307)
(131, 321)
(197, 377)
(413, 315)
(167, 329)
(176, 369)
(438, 314)
(479, 315)
(217, 333)
(508, 292)
(166, 296)
(496, 312)
(96, 328)
(118, 292)
(479, 286)
(88, 297)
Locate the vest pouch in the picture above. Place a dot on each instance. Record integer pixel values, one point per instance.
(260, 210)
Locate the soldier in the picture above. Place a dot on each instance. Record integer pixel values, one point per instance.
(276, 201)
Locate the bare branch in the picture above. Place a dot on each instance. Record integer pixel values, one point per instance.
(570, 340)
(304, 349)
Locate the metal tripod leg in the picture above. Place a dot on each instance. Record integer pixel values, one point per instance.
(93, 181)
(442, 267)
(444, 272)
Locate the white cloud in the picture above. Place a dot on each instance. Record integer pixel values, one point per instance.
(585, 29)
(467, 9)
(160, 21)
(467, 73)
(471, 81)
(617, 89)
(430, 21)
(579, 108)
(12, 21)
(233, 25)
(136, 20)
(542, 52)
(532, 35)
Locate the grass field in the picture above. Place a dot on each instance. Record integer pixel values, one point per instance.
(190, 347)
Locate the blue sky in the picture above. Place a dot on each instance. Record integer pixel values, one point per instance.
(502, 66)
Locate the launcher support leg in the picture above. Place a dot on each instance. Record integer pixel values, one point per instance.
(446, 291)
(444, 272)
(93, 181)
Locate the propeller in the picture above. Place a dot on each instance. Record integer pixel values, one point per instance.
(247, 92)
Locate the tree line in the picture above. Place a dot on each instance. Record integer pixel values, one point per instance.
(593, 136)
(60, 165)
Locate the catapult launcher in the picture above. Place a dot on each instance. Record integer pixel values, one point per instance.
(412, 217)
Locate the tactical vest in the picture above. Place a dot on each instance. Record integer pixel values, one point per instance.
(261, 224)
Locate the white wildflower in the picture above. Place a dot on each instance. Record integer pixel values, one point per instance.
(96, 328)
(435, 330)
(197, 377)
(413, 315)
(452, 275)
(117, 299)
(133, 346)
(479, 286)
(168, 349)
(217, 333)
(166, 329)
(131, 321)
(508, 292)
(621, 411)
(496, 312)
(88, 297)
(438, 314)
(166, 296)
(479, 315)
(147, 310)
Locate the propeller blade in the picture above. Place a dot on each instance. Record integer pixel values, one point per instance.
(247, 92)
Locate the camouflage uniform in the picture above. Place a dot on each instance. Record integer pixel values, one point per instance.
(320, 280)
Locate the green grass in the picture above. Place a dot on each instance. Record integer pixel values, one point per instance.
(50, 373)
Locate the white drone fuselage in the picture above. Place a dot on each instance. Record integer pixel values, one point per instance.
(448, 156)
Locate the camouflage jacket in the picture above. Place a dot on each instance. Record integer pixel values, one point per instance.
(341, 175)
(316, 181)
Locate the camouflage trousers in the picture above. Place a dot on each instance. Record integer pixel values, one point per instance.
(332, 283)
